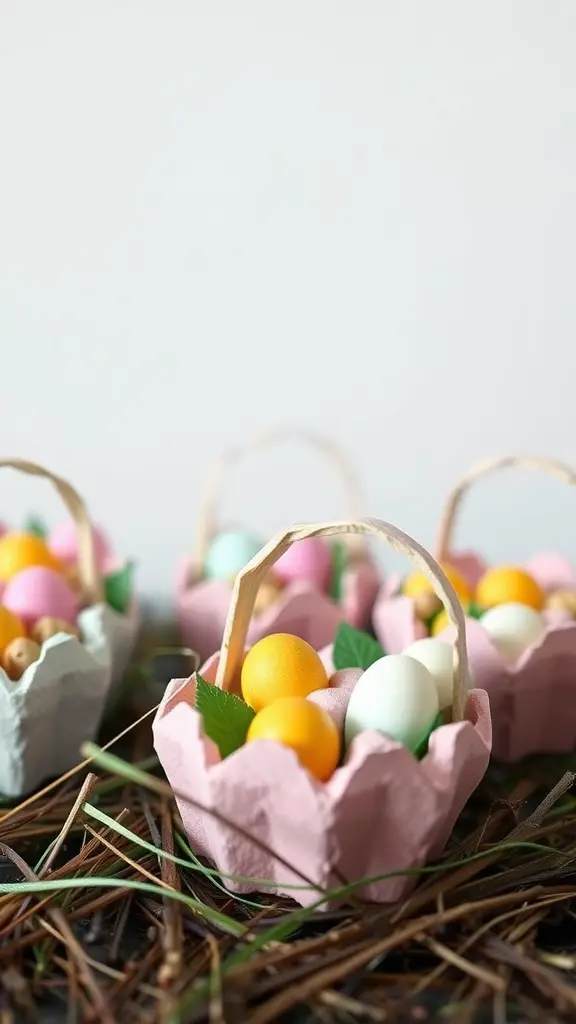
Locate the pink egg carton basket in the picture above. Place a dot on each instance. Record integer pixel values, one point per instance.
(534, 701)
(259, 814)
(202, 604)
(59, 701)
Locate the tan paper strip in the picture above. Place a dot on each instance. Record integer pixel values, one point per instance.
(551, 467)
(249, 579)
(90, 579)
(208, 518)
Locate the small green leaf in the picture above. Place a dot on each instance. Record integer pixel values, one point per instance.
(225, 717)
(355, 649)
(422, 748)
(118, 588)
(339, 563)
(474, 612)
(35, 525)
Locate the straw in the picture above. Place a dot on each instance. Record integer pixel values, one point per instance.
(208, 518)
(551, 467)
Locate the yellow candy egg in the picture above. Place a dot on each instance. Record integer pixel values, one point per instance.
(281, 665)
(20, 551)
(441, 621)
(417, 584)
(508, 585)
(304, 727)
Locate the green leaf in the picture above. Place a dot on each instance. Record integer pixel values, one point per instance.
(473, 611)
(355, 649)
(35, 525)
(225, 717)
(339, 563)
(118, 588)
(422, 748)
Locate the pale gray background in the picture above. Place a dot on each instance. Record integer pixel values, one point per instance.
(358, 216)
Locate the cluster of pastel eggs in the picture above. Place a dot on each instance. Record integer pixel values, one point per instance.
(507, 600)
(39, 593)
(307, 561)
(401, 696)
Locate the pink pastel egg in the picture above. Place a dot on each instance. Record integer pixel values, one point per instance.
(63, 542)
(307, 561)
(37, 593)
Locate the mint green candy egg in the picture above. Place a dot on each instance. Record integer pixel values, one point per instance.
(228, 554)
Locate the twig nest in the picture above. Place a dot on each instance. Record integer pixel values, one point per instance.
(562, 601)
(44, 628)
(19, 655)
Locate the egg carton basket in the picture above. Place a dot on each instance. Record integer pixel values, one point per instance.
(58, 703)
(260, 814)
(202, 604)
(534, 701)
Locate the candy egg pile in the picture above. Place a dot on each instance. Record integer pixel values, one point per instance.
(37, 601)
(312, 561)
(427, 605)
(507, 601)
(402, 696)
(40, 592)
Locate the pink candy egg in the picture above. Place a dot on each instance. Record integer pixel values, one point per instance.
(307, 561)
(37, 593)
(63, 543)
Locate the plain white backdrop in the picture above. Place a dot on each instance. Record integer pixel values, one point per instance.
(220, 215)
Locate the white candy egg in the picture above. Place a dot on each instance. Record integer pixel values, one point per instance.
(438, 657)
(512, 628)
(397, 696)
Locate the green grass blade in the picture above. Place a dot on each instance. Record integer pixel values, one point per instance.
(22, 889)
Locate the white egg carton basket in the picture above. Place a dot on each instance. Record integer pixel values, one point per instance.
(59, 701)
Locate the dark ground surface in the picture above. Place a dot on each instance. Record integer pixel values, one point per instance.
(537, 965)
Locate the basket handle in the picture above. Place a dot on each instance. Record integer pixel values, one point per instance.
(213, 492)
(90, 579)
(249, 579)
(551, 467)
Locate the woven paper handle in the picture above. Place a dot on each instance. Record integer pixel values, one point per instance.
(551, 467)
(249, 579)
(209, 507)
(89, 575)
